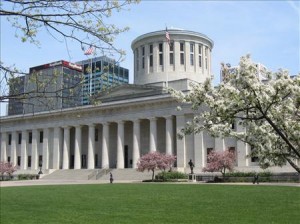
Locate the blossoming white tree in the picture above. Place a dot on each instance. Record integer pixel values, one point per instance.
(267, 111)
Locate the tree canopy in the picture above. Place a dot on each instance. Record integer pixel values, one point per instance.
(266, 111)
(219, 161)
(155, 160)
(83, 22)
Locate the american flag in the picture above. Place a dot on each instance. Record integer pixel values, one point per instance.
(89, 51)
(167, 36)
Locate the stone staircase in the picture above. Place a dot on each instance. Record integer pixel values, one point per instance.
(68, 175)
(126, 175)
(98, 174)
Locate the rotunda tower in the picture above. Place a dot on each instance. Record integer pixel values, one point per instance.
(176, 61)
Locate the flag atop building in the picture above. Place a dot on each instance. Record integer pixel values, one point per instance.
(167, 36)
(89, 51)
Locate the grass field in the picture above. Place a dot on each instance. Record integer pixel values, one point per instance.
(150, 203)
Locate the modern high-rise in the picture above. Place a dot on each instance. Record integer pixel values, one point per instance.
(51, 86)
(100, 73)
(16, 91)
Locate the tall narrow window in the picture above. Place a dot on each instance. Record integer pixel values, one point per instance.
(171, 53)
(182, 53)
(20, 138)
(30, 138)
(192, 53)
(151, 55)
(41, 136)
(160, 50)
(9, 139)
(200, 54)
(143, 57)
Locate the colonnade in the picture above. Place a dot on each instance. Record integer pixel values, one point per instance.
(57, 148)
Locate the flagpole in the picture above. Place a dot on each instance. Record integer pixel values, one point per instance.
(168, 41)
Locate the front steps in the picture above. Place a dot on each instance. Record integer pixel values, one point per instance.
(98, 174)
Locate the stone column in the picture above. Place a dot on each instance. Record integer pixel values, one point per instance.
(153, 134)
(120, 146)
(45, 165)
(181, 150)
(105, 139)
(91, 147)
(13, 148)
(24, 150)
(136, 143)
(77, 150)
(219, 144)
(199, 155)
(3, 147)
(34, 150)
(242, 148)
(169, 135)
(66, 148)
(56, 148)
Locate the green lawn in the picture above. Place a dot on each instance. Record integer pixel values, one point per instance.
(150, 203)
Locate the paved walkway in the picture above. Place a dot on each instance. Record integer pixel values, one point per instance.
(68, 182)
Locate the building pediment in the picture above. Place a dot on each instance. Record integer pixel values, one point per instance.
(129, 91)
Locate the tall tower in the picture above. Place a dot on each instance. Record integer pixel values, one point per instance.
(186, 58)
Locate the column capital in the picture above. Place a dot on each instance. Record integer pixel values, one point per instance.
(152, 118)
(66, 127)
(168, 117)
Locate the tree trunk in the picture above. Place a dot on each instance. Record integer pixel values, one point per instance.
(152, 175)
(293, 164)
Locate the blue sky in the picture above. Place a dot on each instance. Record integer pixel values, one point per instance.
(268, 30)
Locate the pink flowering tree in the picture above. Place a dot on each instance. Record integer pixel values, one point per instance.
(220, 161)
(155, 160)
(7, 167)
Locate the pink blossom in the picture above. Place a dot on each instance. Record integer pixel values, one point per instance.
(155, 160)
(220, 161)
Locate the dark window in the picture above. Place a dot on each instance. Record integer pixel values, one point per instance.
(143, 51)
(192, 59)
(181, 46)
(29, 161)
(143, 62)
(19, 161)
(254, 159)
(171, 58)
(233, 125)
(151, 60)
(8, 159)
(160, 46)
(9, 139)
(96, 134)
(151, 49)
(30, 138)
(20, 138)
(41, 136)
(160, 59)
(182, 58)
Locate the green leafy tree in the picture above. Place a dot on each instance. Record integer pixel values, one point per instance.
(268, 111)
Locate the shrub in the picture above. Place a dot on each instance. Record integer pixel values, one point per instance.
(173, 175)
(27, 176)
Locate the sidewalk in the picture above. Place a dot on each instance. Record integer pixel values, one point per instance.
(42, 182)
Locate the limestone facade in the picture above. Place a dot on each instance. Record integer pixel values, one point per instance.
(132, 119)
